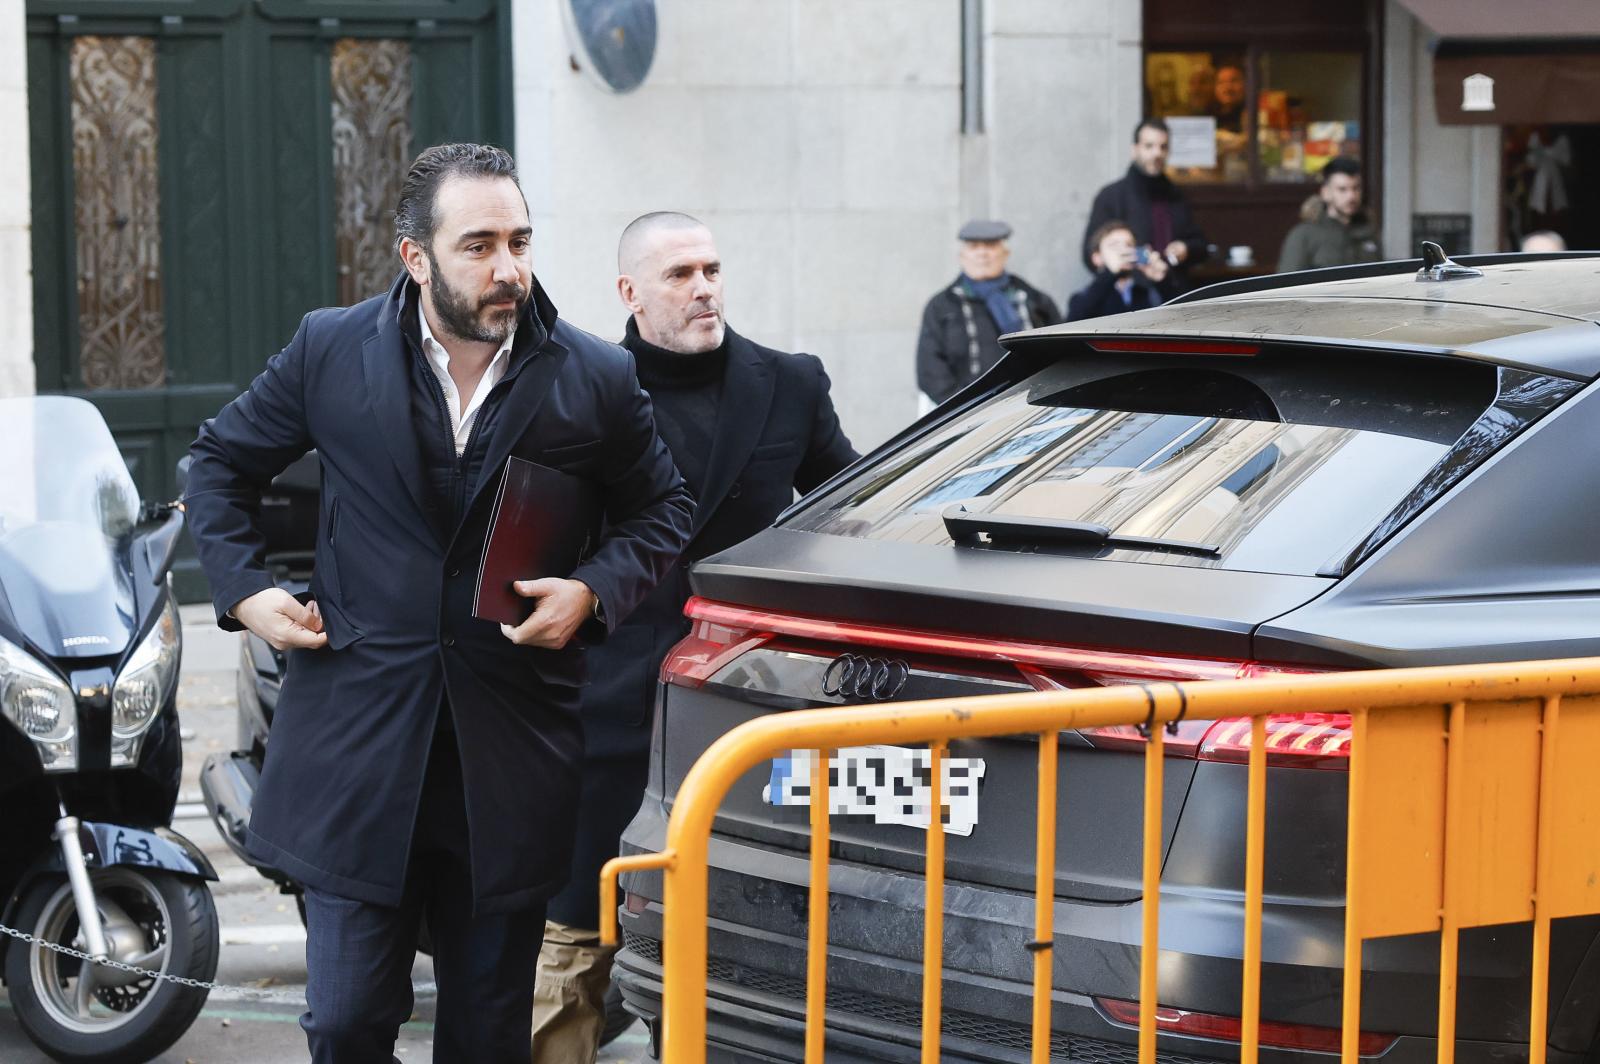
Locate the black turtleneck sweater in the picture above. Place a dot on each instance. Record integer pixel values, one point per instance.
(685, 391)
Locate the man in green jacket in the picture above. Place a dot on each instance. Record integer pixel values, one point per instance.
(1333, 230)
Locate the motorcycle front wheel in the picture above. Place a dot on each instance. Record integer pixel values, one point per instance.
(85, 1013)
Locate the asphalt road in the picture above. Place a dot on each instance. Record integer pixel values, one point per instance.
(263, 944)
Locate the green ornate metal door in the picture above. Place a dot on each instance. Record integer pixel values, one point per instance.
(207, 171)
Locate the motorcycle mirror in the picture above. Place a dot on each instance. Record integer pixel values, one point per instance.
(161, 542)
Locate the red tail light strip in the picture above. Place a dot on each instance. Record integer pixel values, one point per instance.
(1231, 1029)
(706, 650)
(1176, 347)
(721, 633)
(1310, 740)
(1122, 664)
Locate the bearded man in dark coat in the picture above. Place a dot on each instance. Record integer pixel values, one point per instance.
(423, 762)
(1147, 201)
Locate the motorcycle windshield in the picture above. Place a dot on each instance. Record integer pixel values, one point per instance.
(67, 514)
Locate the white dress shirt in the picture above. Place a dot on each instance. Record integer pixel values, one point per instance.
(439, 359)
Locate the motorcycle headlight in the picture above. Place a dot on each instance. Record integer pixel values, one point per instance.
(143, 686)
(41, 706)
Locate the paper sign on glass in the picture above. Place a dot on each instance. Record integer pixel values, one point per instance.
(1193, 142)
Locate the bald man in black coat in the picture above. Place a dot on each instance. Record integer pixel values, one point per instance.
(748, 426)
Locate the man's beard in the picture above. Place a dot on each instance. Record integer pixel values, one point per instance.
(688, 340)
(463, 317)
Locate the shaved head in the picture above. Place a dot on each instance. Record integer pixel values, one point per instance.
(669, 276)
(639, 236)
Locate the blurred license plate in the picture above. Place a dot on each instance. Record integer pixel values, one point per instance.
(889, 784)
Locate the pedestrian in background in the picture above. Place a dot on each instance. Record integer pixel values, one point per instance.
(1148, 203)
(1333, 229)
(748, 426)
(424, 762)
(962, 325)
(1227, 104)
(1127, 276)
(1543, 241)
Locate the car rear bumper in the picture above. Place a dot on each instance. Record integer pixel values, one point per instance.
(749, 1024)
(757, 1016)
(756, 968)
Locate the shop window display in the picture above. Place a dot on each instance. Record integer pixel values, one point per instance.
(1307, 109)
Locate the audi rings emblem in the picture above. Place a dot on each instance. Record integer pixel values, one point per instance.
(854, 676)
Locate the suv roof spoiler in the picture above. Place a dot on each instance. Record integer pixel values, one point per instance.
(1272, 281)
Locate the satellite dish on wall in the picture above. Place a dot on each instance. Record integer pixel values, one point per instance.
(613, 41)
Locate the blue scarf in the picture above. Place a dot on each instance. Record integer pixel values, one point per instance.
(995, 296)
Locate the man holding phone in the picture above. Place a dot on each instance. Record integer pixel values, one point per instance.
(1153, 208)
(1127, 276)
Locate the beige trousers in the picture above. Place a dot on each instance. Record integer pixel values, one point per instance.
(569, 1010)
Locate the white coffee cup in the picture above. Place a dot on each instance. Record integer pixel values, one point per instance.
(1241, 255)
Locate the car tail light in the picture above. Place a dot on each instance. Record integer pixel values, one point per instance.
(710, 645)
(1301, 740)
(1231, 1029)
(722, 632)
(1123, 666)
(1175, 347)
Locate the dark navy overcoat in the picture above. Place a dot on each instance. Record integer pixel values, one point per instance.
(343, 773)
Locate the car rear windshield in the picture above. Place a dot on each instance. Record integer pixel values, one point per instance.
(1290, 461)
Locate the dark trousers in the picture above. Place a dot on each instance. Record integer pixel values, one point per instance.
(359, 955)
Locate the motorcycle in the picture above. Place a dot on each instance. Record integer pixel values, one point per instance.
(90, 755)
(228, 781)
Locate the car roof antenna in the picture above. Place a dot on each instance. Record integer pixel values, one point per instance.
(1437, 266)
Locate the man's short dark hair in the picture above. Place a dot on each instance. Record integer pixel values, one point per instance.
(1106, 230)
(413, 214)
(1150, 123)
(1341, 164)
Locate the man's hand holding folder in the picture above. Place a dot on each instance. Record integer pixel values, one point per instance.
(561, 606)
(544, 523)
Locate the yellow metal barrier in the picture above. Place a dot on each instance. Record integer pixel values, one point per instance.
(1457, 787)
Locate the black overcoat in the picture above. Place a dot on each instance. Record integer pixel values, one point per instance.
(776, 434)
(945, 362)
(1099, 297)
(343, 774)
(1127, 200)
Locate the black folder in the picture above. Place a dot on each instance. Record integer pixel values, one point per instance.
(545, 522)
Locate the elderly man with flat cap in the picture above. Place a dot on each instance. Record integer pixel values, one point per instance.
(962, 325)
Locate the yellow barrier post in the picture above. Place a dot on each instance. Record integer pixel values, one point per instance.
(1450, 932)
(639, 862)
(933, 909)
(1150, 937)
(1254, 871)
(1350, 1033)
(1044, 896)
(817, 910)
(1539, 1005)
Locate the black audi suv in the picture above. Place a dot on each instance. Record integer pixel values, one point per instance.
(1343, 469)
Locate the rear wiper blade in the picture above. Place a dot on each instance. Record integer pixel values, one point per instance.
(965, 527)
